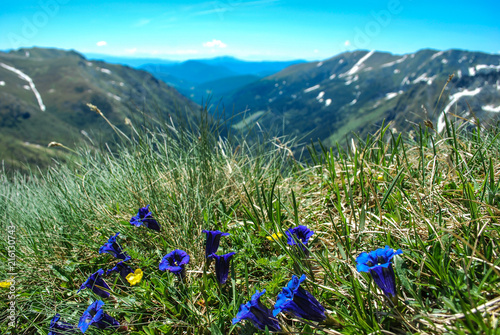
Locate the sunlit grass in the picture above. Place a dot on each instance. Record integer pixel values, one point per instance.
(434, 196)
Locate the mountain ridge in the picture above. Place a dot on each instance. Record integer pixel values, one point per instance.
(322, 97)
(65, 82)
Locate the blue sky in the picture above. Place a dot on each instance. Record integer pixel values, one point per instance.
(249, 29)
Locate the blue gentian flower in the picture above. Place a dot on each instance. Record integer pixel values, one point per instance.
(297, 301)
(96, 284)
(95, 315)
(58, 327)
(259, 315)
(299, 234)
(113, 248)
(213, 239)
(379, 264)
(121, 268)
(175, 262)
(146, 217)
(222, 266)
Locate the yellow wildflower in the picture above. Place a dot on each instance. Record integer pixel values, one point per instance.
(5, 283)
(274, 237)
(134, 277)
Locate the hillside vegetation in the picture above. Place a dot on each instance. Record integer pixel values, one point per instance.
(355, 91)
(54, 106)
(434, 196)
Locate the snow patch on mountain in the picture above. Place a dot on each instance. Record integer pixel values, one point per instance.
(472, 71)
(391, 95)
(25, 77)
(328, 102)
(481, 67)
(350, 79)
(423, 77)
(114, 96)
(454, 99)
(2, 83)
(359, 65)
(320, 95)
(107, 71)
(437, 54)
(312, 88)
(491, 108)
(397, 61)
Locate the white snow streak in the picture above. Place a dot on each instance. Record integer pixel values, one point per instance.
(30, 82)
(114, 96)
(454, 99)
(397, 61)
(423, 77)
(491, 108)
(487, 67)
(391, 95)
(437, 54)
(472, 71)
(359, 64)
(328, 102)
(2, 83)
(315, 87)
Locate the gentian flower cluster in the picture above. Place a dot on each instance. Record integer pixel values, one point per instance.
(95, 315)
(96, 284)
(175, 262)
(297, 301)
(258, 314)
(58, 327)
(293, 299)
(300, 236)
(221, 262)
(144, 216)
(113, 248)
(213, 240)
(379, 264)
(123, 269)
(222, 266)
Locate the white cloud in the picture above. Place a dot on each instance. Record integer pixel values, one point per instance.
(131, 51)
(101, 43)
(347, 43)
(215, 43)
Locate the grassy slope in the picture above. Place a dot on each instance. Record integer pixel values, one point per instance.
(436, 197)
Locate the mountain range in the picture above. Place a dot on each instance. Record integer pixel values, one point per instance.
(356, 91)
(44, 95)
(201, 79)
